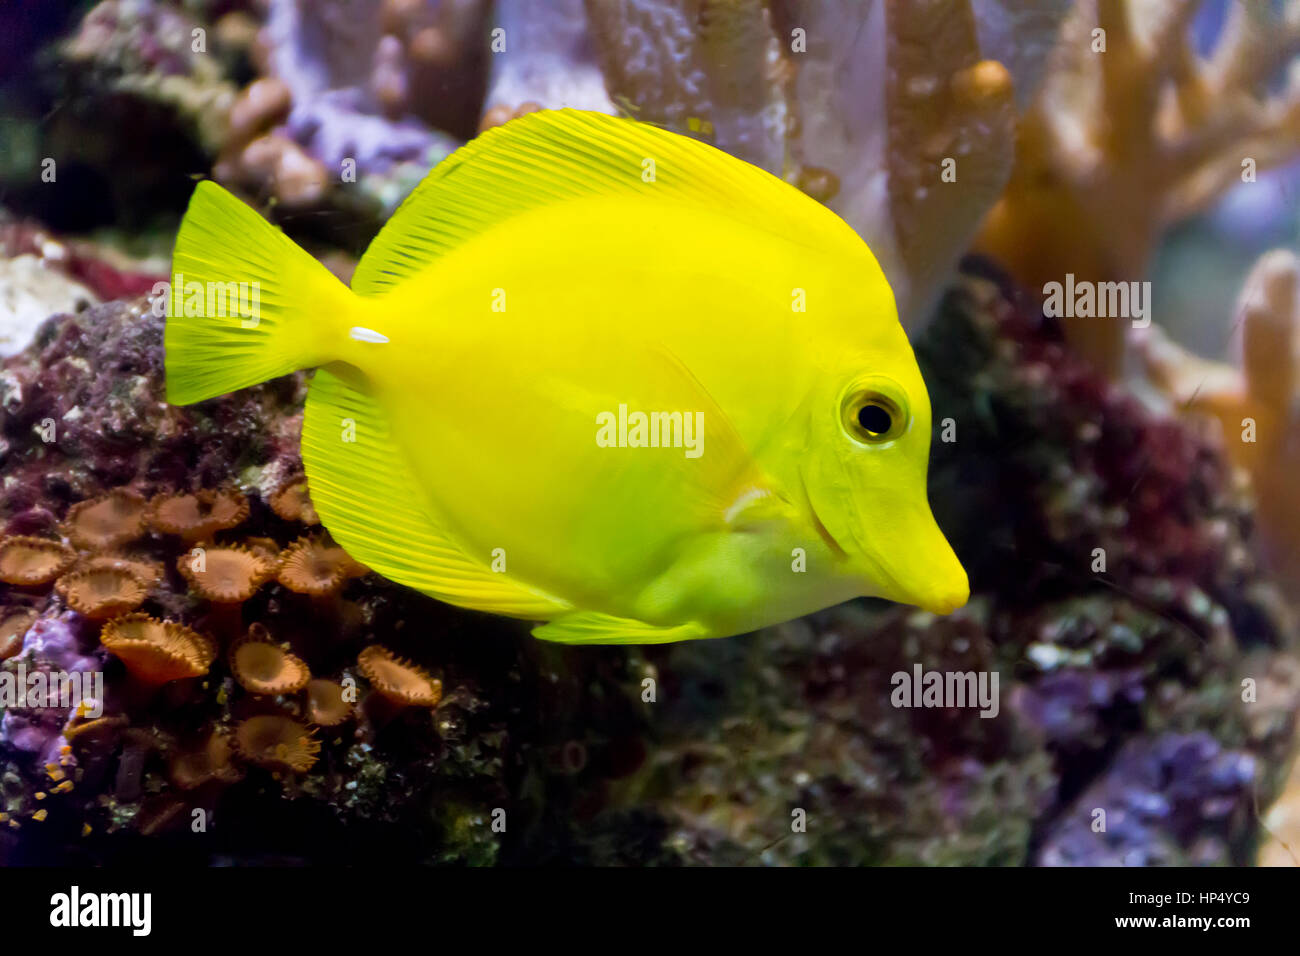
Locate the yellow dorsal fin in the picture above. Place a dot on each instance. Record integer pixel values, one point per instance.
(557, 155)
(371, 505)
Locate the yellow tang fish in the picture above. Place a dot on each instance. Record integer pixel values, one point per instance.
(591, 373)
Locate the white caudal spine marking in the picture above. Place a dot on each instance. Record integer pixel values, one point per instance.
(363, 334)
(745, 500)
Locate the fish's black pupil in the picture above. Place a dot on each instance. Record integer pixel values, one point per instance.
(875, 419)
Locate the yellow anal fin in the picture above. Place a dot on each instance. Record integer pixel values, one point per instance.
(588, 627)
(366, 496)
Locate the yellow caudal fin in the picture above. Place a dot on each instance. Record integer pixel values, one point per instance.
(247, 304)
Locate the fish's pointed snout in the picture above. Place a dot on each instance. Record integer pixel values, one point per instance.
(929, 575)
(947, 587)
(951, 595)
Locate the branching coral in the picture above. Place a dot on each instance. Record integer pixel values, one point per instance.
(547, 61)
(1133, 132)
(428, 61)
(1255, 403)
(897, 115)
(257, 156)
(708, 67)
(886, 98)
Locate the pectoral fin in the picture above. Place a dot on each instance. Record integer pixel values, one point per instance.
(727, 486)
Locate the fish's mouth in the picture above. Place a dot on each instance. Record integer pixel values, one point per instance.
(878, 579)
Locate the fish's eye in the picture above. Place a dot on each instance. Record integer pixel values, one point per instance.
(873, 417)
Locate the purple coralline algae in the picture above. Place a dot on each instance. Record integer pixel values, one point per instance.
(1166, 801)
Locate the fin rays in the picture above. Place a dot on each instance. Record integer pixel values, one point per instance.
(370, 504)
(556, 155)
